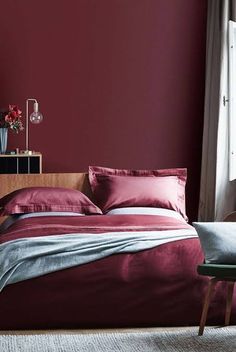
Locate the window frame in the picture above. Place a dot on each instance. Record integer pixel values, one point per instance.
(232, 99)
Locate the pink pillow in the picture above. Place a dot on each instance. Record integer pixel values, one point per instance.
(115, 188)
(38, 199)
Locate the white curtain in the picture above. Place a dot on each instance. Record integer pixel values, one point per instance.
(217, 193)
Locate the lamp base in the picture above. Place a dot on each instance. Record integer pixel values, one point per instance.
(28, 152)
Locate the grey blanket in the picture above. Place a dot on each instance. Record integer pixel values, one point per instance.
(28, 258)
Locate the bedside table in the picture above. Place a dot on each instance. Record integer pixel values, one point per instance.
(21, 163)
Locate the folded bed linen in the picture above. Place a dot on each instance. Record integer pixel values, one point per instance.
(34, 247)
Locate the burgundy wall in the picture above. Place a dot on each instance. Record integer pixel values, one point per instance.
(120, 82)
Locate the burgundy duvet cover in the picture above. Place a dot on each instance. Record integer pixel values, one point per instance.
(154, 287)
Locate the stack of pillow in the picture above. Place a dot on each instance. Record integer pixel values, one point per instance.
(112, 189)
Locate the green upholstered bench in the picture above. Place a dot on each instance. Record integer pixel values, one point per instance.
(217, 272)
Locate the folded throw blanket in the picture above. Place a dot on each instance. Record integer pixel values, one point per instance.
(27, 258)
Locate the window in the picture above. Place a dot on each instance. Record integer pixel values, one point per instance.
(232, 100)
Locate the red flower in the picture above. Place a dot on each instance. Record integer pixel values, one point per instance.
(14, 108)
(11, 118)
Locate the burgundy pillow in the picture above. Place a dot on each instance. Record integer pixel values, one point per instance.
(116, 188)
(38, 199)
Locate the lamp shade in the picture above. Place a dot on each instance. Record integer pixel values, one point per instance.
(36, 117)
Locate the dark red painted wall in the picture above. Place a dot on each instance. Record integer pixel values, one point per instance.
(120, 82)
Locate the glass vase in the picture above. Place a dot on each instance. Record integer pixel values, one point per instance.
(3, 140)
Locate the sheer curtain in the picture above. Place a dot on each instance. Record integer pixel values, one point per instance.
(217, 193)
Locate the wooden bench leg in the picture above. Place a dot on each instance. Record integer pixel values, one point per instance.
(209, 292)
(229, 298)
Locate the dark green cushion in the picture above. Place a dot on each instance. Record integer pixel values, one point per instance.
(223, 271)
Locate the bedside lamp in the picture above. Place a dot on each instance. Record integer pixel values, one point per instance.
(36, 117)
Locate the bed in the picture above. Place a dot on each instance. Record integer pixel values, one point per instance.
(155, 284)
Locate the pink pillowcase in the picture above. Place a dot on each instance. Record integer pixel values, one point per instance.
(38, 199)
(116, 188)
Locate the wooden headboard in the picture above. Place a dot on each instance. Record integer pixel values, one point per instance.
(9, 183)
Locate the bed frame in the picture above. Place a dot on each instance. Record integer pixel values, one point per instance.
(12, 182)
(9, 183)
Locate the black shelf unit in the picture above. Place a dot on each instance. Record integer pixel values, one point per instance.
(21, 163)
